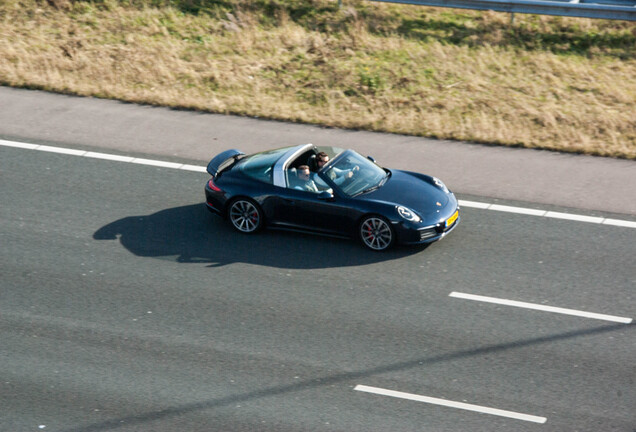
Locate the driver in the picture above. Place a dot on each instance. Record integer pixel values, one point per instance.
(337, 175)
(321, 159)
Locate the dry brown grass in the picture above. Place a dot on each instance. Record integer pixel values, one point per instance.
(420, 71)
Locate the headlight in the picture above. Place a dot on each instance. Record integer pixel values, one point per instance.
(440, 184)
(407, 214)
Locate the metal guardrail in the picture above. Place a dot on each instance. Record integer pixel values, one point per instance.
(601, 9)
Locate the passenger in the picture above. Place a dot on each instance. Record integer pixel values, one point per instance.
(306, 183)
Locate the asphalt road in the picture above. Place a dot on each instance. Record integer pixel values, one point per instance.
(583, 182)
(125, 306)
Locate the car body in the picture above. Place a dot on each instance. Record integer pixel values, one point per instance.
(379, 206)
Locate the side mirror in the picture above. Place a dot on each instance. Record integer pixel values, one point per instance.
(372, 159)
(326, 195)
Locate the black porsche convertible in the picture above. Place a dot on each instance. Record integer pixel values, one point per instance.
(346, 195)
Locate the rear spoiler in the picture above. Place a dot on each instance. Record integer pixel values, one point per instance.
(223, 160)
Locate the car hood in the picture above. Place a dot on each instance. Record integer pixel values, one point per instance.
(405, 189)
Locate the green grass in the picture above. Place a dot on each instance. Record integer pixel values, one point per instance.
(557, 83)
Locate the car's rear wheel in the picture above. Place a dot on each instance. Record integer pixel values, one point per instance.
(245, 215)
(376, 233)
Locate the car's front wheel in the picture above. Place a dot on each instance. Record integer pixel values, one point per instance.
(376, 233)
(245, 215)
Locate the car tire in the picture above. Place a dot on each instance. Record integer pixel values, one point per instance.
(245, 216)
(376, 233)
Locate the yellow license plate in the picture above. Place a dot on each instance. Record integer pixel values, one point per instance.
(451, 220)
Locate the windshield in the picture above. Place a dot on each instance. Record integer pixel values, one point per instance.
(355, 174)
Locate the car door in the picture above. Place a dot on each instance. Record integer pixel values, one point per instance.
(309, 211)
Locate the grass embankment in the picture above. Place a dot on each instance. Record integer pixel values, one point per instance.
(565, 84)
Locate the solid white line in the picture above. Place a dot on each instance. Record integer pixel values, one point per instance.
(620, 223)
(451, 404)
(518, 210)
(574, 217)
(549, 214)
(474, 204)
(157, 163)
(539, 307)
(19, 145)
(61, 150)
(202, 169)
(194, 168)
(107, 156)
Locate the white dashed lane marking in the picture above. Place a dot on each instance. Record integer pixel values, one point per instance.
(451, 404)
(540, 307)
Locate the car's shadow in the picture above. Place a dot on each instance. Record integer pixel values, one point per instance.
(190, 234)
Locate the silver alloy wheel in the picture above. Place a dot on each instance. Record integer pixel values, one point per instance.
(245, 216)
(376, 233)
